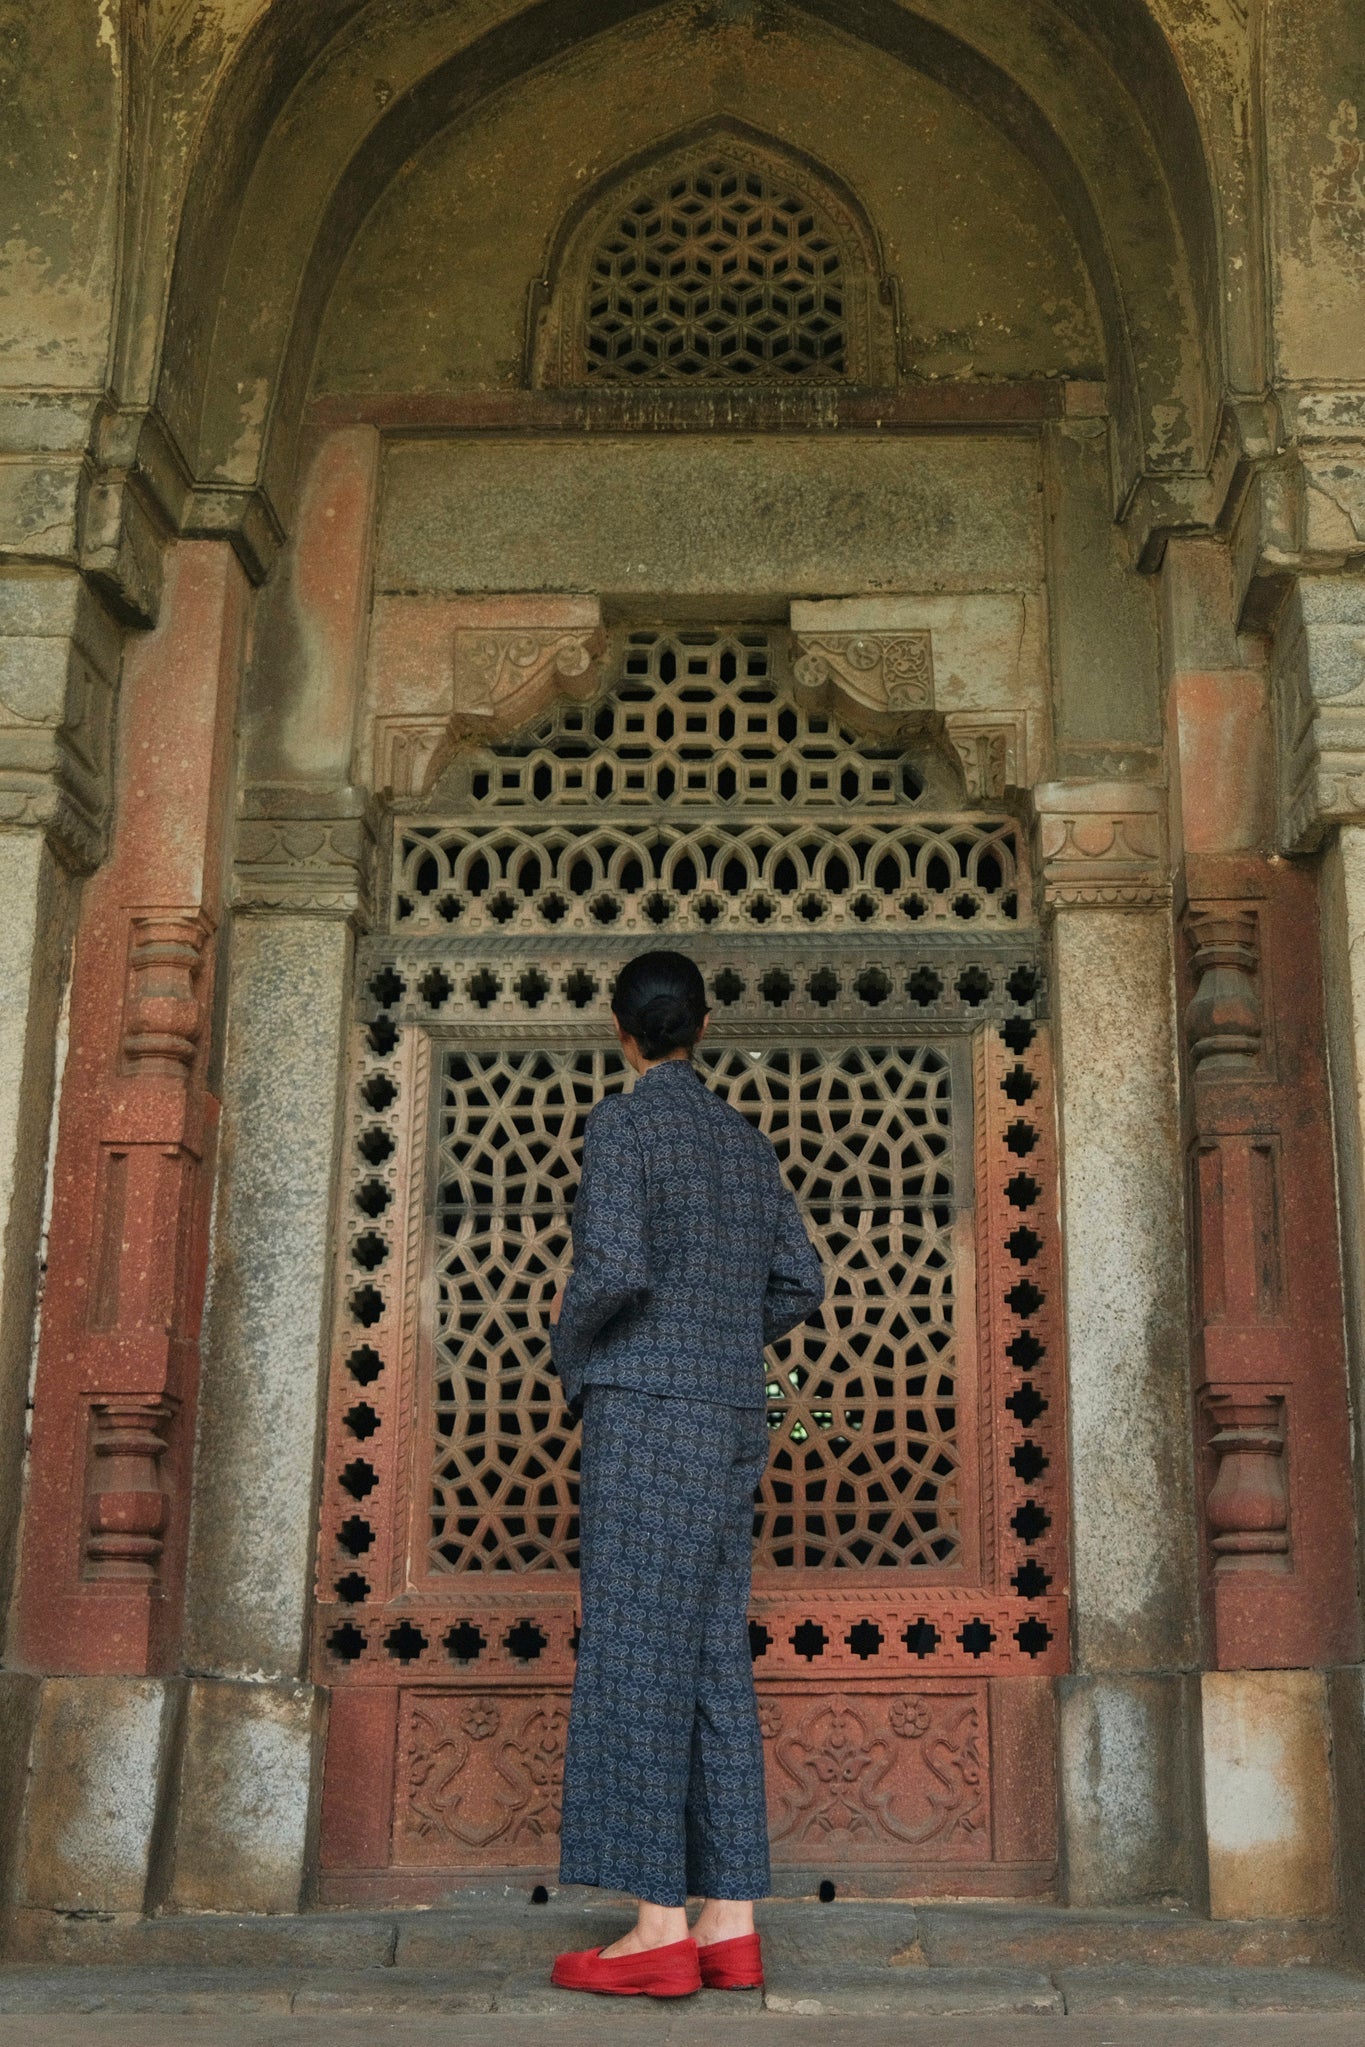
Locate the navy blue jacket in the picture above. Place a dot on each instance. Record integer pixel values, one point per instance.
(689, 1253)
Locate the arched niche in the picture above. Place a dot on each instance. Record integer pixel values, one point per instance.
(1092, 98)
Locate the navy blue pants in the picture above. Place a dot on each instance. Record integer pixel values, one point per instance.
(663, 1774)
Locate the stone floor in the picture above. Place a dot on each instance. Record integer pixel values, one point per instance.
(658, 2028)
(967, 1975)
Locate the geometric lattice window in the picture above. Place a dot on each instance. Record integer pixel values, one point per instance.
(879, 1010)
(504, 1491)
(728, 259)
(863, 1403)
(862, 1406)
(719, 272)
(697, 720)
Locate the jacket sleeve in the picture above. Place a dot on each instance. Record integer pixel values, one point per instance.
(610, 1244)
(796, 1280)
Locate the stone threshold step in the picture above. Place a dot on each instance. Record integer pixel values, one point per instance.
(809, 1993)
(513, 1934)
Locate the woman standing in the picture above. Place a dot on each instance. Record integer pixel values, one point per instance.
(689, 1257)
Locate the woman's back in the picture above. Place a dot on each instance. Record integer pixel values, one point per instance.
(689, 1254)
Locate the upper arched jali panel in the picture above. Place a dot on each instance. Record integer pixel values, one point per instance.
(717, 257)
(290, 178)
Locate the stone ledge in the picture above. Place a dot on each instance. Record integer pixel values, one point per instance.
(202, 1941)
(927, 1992)
(810, 1992)
(1211, 1990)
(1074, 1938)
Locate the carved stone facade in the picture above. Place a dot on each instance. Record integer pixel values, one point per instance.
(885, 673)
(117, 1363)
(1272, 1371)
(811, 513)
(483, 666)
(1320, 665)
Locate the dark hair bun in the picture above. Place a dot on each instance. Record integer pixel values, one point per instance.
(660, 1001)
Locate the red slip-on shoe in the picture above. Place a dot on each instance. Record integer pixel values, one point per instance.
(732, 1964)
(670, 1971)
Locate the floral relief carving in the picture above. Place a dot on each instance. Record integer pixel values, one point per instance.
(873, 671)
(877, 1772)
(475, 1771)
(499, 679)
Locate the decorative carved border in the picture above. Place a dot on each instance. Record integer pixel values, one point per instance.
(886, 673)
(1014, 1619)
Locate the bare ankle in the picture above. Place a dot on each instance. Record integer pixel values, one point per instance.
(723, 1919)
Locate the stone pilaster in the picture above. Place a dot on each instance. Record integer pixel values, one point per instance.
(300, 882)
(114, 1394)
(1318, 674)
(1126, 1712)
(59, 662)
(1343, 948)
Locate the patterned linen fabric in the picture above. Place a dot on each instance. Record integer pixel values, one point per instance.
(663, 1775)
(689, 1253)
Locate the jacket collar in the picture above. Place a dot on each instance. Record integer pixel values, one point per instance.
(666, 1073)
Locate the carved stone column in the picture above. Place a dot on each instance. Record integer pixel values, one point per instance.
(1271, 1424)
(99, 1606)
(1319, 676)
(299, 886)
(1126, 1713)
(239, 1826)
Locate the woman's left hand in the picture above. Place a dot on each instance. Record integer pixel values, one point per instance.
(556, 1307)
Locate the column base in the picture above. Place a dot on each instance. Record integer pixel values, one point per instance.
(1268, 1794)
(246, 1804)
(99, 1758)
(1130, 1818)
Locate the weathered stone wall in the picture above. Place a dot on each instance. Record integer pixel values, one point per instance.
(992, 278)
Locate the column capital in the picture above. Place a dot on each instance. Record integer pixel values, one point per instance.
(1102, 845)
(59, 666)
(304, 852)
(1319, 680)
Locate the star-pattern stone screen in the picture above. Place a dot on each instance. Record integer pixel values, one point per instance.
(861, 1401)
(725, 271)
